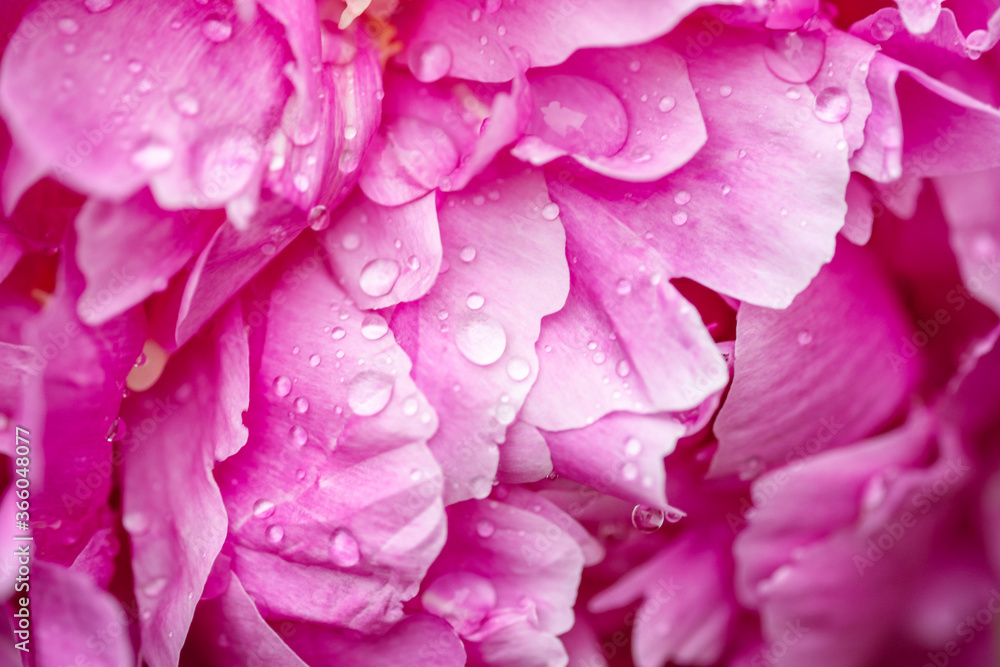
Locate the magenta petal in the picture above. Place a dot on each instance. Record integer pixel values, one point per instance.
(621, 455)
(407, 160)
(547, 32)
(662, 128)
(524, 457)
(335, 503)
(478, 325)
(791, 14)
(75, 622)
(191, 416)
(843, 76)
(787, 399)
(229, 630)
(128, 251)
(115, 110)
(860, 216)
(383, 256)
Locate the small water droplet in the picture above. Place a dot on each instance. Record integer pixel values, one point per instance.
(633, 447)
(550, 211)
(630, 471)
(374, 327)
(136, 523)
(97, 6)
(666, 104)
(314, 360)
(186, 104)
(319, 218)
(298, 435)
(263, 508)
(475, 14)
(301, 404)
(350, 132)
(647, 519)
(154, 156)
(624, 286)
(369, 393)
(750, 468)
(282, 386)
(134, 66)
(338, 333)
(217, 29)
(467, 254)
(155, 587)
(344, 548)
(518, 369)
(725, 91)
(679, 218)
(378, 277)
(301, 182)
(634, 66)
(485, 528)
(682, 197)
(833, 105)
(501, 30)
(623, 369)
(274, 534)
(599, 357)
(68, 26)
(795, 56)
(475, 301)
(804, 338)
(116, 431)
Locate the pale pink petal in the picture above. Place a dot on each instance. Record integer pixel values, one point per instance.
(408, 159)
(860, 215)
(382, 256)
(787, 399)
(173, 510)
(791, 14)
(524, 457)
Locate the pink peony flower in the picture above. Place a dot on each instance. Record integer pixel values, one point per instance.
(494, 333)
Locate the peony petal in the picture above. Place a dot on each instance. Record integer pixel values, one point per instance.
(791, 14)
(189, 418)
(605, 350)
(334, 504)
(524, 457)
(662, 128)
(128, 251)
(383, 256)
(792, 366)
(74, 621)
(105, 84)
(547, 32)
(860, 215)
(408, 159)
(477, 327)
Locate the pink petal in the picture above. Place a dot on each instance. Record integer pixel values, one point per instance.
(860, 215)
(407, 160)
(128, 251)
(524, 457)
(478, 40)
(74, 621)
(791, 14)
(84, 119)
(191, 416)
(383, 256)
(477, 327)
(341, 531)
(787, 399)
(645, 96)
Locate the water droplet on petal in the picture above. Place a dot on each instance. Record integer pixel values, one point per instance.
(804, 338)
(378, 277)
(298, 436)
(725, 91)
(833, 104)
(301, 404)
(429, 61)
(673, 515)
(274, 534)
(623, 369)
(344, 548)
(485, 528)
(475, 301)
(116, 431)
(795, 56)
(623, 287)
(666, 104)
(301, 182)
(793, 94)
(467, 254)
(155, 587)
(369, 393)
(282, 386)
(217, 29)
(481, 339)
(410, 406)
(134, 66)
(374, 327)
(319, 218)
(263, 508)
(314, 360)
(68, 26)
(136, 523)
(633, 447)
(682, 197)
(679, 218)
(634, 66)
(518, 369)
(96, 6)
(630, 471)
(185, 104)
(883, 29)
(550, 211)
(338, 333)
(647, 519)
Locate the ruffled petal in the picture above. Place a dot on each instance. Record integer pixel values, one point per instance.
(334, 504)
(477, 39)
(475, 331)
(383, 256)
(787, 399)
(191, 417)
(524, 457)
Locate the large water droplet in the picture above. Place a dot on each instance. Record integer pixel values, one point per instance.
(374, 327)
(481, 339)
(344, 548)
(429, 61)
(833, 104)
(475, 301)
(518, 369)
(378, 277)
(369, 393)
(263, 508)
(647, 519)
(217, 29)
(795, 56)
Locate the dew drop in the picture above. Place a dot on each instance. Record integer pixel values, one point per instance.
(481, 339)
(116, 431)
(217, 29)
(378, 277)
(298, 436)
(795, 56)
(630, 471)
(319, 218)
(413, 262)
(633, 447)
(475, 301)
(750, 468)
(518, 369)
(282, 386)
(136, 523)
(883, 29)
(804, 338)
(634, 66)
(725, 91)
(599, 357)
(623, 369)
(68, 26)
(647, 519)
(314, 360)
(673, 515)
(344, 548)
(134, 66)
(410, 406)
(550, 211)
(624, 286)
(155, 587)
(301, 404)
(666, 104)
(429, 61)
(96, 6)
(274, 534)
(467, 254)
(679, 218)
(301, 182)
(263, 508)
(833, 104)
(369, 393)
(485, 528)
(374, 327)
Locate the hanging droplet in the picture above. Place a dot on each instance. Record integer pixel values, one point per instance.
(374, 327)
(378, 277)
(647, 519)
(795, 56)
